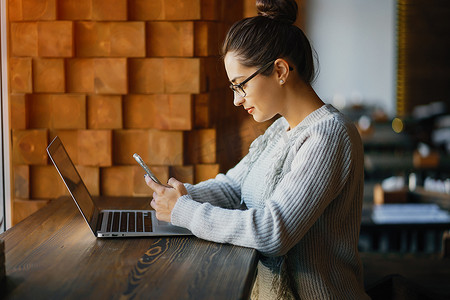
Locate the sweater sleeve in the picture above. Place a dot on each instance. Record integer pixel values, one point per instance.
(318, 173)
(224, 190)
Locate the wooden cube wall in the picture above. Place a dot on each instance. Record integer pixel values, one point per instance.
(112, 78)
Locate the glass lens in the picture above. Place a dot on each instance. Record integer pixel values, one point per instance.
(240, 91)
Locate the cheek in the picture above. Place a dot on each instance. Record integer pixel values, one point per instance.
(267, 95)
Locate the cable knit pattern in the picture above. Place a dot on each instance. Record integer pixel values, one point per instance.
(296, 198)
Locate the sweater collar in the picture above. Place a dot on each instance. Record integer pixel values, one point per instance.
(312, 118)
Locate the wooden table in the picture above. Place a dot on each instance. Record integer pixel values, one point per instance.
(53, 255)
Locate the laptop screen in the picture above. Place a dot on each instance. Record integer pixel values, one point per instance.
(73, 182)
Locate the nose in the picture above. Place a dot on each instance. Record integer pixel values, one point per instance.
(238, 99)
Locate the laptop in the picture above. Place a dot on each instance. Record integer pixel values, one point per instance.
(107, 222)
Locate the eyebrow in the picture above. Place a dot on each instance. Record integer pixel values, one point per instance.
(237, 77)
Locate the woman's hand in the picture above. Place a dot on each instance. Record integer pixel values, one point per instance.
(165, 197)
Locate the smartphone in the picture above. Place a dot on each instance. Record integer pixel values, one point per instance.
(146, 168)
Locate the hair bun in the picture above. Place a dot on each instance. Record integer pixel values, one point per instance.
(280, 10)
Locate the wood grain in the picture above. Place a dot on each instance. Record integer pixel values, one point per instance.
(49, 75)
(24, 39)
(18, 111)
(21, 74)
(61, 258)
(55, 39)
(104, 112)
(28, 146)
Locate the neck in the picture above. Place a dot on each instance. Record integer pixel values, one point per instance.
(300, 101)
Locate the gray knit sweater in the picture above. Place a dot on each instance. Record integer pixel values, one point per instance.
(296, 198)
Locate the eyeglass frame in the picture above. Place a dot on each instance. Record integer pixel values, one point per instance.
(238, 88)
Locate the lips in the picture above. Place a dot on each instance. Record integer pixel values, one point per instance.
(250, 109)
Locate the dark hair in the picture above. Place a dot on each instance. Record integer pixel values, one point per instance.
(271, 35)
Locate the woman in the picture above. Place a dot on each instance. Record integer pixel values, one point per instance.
(297, 196)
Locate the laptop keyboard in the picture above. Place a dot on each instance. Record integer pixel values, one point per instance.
(124, 221)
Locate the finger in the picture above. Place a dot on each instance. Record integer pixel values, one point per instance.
(174, 183)
(153, 185)
(178, 185)
(163, 217)
(153, 204)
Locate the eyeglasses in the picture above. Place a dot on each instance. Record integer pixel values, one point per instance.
(239, 88)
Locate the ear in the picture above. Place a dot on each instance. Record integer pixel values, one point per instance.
(281, 67)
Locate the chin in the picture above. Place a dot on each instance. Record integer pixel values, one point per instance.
(261, 119)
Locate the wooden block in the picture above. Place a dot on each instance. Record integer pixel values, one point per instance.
(104, 112)
(232, 11)
(201, 146)
(69, 111)
(173, 112)
(32, 10)
(128, 142)
(210, 9)
(91, 178)
(48, 75)
(24, 39)
(205, 171)
(182, 9)
(75, 9)
(92, 39)
(127, 39)
(57, 111)
(109, 10)
(106, 39)
(139, 111)
(184, 174)
(146, 75)
(129, 180)
(175, 9)
(381, 197)
(249, 9)
(25, 208)
(21, 75)
(17, 108)
(202, 111)
(21, 181)
(170, 39)
(155, 147)
(214, 74)
(183, 75)
(55, 39)
(69, 138)
(39, 110)
(165, 147)
(95, 148)
(88, 149)
(117, 181)
(80, 75)
(146, 10)
(110, 76)
(166, 112)
(206, 39)
(45, 183)
(15, 10)
(28, 147)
